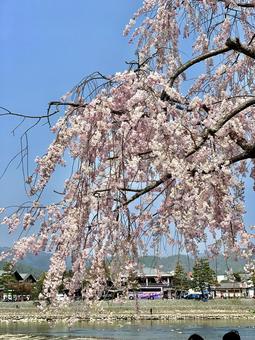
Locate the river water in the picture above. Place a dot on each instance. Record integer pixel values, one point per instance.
(149, 330)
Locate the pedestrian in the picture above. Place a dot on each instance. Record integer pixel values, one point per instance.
(232, 335)
(195, 337)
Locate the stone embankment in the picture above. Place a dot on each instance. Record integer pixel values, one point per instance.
(132, 310)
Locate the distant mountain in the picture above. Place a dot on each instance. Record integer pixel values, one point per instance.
(167, 263)
(40, 261)
(36, 264)
(219, 264)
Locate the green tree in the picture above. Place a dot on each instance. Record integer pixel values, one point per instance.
(180, 280)
(8, 267)
(252, 278)
(203, 275)
(38, 287)
(66, 277)
(7, 279)
(237, 277)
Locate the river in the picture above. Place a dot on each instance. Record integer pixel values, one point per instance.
(150, 330)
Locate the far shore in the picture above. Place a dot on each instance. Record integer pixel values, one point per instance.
(169, 310)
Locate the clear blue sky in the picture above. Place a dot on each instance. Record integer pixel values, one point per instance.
(47, 46)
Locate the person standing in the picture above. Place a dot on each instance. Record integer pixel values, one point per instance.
(195, 337)
(232, 335)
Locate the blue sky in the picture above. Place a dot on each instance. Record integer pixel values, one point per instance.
(47, 47)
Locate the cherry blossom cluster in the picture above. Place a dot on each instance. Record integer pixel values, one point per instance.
(158, 156)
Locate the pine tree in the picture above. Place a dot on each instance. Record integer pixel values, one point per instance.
(203, 275)
(180, 280)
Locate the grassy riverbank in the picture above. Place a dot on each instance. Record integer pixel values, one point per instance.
(132, 310)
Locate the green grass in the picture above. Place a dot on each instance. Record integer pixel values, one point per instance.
(143, 307)
(170, 306)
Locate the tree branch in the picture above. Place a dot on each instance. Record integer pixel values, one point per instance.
(57, 103)
(230, 115)
(147, 189)
(10, 113)
(242, 142)
(249, 5)
(249, 149)
(231, 44)
(235, 44)
(239, 4)
(196, 60)
(249, 153)
(219, 124)
(53, 103)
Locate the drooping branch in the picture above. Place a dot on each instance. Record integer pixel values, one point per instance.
(22, 115)
(231, 44)
(240, 141)
(196, 60)
(220, 123)
(248, 153)
(127, 147)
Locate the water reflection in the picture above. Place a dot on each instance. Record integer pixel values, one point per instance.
(151, 330)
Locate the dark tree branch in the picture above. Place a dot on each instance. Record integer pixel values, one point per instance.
(48, 115)
(220, 123)
(240, 141)
(248, 154)
(231, 114)
(196, 60)
(57, 103)
(147, 189)
(249, 149)
(231, 44)
(235, 44)
(10, 113)
(240, 4)
(246, 5)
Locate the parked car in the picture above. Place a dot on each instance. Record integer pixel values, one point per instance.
(61, 297)
(7, 299)
(145, 295)
(111, 294)
(193, 296)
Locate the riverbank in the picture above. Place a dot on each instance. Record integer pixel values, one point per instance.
(242, 309)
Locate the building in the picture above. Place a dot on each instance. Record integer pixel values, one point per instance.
(16, 286)
(24, 277)
(231, 290)
(152, 278)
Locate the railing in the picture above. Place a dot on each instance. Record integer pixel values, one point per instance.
(165, 285)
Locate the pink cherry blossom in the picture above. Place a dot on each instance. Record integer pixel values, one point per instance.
(159, 152)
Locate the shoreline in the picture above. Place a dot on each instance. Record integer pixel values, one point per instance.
(11, 318)
(117, 311)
